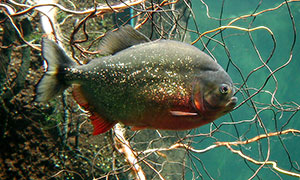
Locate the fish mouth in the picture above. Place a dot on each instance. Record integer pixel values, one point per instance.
(231, 104)
(202, 105)
(227, 107)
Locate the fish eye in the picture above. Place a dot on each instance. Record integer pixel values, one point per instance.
(224, 89)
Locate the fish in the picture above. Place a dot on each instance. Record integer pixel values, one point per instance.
(144, 84)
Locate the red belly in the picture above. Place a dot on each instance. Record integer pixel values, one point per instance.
(167, 121)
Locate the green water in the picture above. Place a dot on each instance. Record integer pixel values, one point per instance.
(220, 163)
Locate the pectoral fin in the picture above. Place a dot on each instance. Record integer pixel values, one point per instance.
(181, 113)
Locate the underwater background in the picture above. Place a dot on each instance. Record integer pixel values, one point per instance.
(256, 42)
(246, 52)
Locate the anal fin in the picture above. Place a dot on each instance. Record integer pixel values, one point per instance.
(100, 125)
(78, 96)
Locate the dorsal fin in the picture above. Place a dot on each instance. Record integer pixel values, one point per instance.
(123, 38)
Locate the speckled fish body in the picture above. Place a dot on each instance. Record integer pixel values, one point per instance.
(161, 84)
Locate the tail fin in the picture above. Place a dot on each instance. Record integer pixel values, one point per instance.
(52, 82)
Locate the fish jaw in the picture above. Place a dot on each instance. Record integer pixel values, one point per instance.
(215, 113)
(209, 111)
(231, 104)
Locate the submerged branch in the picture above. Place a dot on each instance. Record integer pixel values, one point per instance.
(100, 9)
(228, 145)
(272, 163)
(123, 146)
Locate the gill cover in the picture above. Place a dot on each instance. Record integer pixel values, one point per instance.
(212, 91)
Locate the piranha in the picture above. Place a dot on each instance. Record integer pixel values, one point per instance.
(162, 84)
